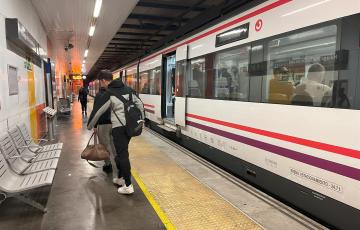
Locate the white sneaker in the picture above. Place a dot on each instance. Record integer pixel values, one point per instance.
(126, 189)
(119, 181)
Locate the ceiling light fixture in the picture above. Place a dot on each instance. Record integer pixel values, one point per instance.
(91, 31)
(305, 8)
(97, 8)
(86, 53)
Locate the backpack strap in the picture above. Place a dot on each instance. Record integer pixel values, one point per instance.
(121, 99)
(117, 116)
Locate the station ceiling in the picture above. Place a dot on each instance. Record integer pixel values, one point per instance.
(155, 23)
(68, 21)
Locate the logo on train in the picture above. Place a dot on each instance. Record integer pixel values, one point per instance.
(259, 25)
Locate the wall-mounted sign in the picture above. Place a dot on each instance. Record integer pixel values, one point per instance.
(20, 41)
(27, 65)
(233, 35)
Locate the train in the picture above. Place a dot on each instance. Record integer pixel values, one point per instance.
(271, 95)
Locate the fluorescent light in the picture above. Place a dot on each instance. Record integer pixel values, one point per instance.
(306, 47)
(86, 53)
(91, 31)
(97, 8)
(305, 8)
(196, 47)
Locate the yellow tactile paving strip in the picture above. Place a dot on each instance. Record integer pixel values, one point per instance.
(185, 201)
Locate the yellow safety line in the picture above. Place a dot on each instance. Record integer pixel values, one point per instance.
(163, 217)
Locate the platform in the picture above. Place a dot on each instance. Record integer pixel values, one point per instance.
(81, 197)
(172, 191)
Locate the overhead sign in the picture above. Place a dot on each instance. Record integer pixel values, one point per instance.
(77, 77)
(233, 35)
(18, 36)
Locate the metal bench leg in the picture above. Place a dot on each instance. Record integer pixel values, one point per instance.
(31, 202)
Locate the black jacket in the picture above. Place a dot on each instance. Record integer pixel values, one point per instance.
(106, 117)
(111, 100)
(83, 95)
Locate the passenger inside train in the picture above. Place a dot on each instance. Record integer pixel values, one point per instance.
(280, 89)
(313, 85)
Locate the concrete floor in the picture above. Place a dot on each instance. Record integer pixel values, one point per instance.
(81, 197)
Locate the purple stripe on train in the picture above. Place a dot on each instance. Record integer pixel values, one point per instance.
(344, 170)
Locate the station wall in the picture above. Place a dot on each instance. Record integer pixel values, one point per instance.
(25, 106)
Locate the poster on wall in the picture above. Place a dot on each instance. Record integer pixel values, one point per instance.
(13, 81)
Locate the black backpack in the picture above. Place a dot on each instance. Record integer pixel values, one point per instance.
(133, 116)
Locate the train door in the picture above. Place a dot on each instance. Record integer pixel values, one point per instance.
(168, 95)
(180, 85)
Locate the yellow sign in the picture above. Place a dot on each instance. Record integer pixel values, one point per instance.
(76, 77)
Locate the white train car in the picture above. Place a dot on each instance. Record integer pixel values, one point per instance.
(150, 87)
(273, 96)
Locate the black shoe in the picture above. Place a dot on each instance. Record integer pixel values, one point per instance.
(107, 168)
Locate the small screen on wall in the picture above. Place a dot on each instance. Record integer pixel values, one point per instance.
(13, 81)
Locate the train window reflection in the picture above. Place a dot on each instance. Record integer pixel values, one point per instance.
(130, 80)
(231, 74)
(155, 81)
(299, 70)
(179, 78)
(150, 81)
(197, 78)
(144, 86)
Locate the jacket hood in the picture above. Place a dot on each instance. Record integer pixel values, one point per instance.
(116, 84)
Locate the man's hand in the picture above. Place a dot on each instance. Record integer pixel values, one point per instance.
(141, 123)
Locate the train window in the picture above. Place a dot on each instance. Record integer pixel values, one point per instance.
(231, 80)
(155, 81)
(130, 81)
(144, 87)
(257, 69)
(197, 78)
(180, 78)
(301, 68)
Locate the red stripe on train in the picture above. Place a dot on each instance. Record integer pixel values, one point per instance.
(150, 106)
(313, 144)
(150, 111)
(226, 25)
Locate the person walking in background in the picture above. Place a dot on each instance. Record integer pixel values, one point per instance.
(103, 127)
(111, 99)
(83, 99)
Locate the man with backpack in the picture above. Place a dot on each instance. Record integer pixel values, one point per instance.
(103, 127)
(127, 114)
